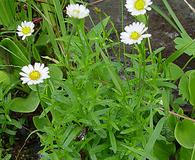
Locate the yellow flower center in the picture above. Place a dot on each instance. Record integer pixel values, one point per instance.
(26, 30)
(140, 4)
(135, 35)
(76, 11)
(34, 75)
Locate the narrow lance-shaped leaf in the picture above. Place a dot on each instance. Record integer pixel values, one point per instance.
(156, 133)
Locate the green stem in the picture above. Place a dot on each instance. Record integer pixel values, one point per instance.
(39, 95)
(122, 26)
(187, 63)
(193, 153)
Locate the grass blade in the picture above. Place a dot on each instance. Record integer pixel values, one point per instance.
(171, 12)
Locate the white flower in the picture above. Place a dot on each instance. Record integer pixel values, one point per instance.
(77, 11)
(138, 7)
(25, 29)
(134, 33)
(34, 74)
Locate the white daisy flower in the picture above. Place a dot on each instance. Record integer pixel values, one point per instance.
(25, 29)
(34, 74)
(77, 11)
(138, 7)
(134, 33)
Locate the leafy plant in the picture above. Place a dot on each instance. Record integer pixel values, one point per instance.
(92, 107)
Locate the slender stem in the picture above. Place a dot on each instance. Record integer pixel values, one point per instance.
(37, 87)
(39, 95)
(187, 63)
(25, 143)
(122, 26)
(193, 153)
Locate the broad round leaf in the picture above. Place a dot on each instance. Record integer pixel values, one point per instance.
(184, 133)
(25, 105)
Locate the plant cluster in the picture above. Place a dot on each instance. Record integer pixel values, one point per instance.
(89, 106)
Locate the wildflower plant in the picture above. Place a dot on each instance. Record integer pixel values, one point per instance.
(77, 11)
(25, 29)
(138, 7)
(34, 74)
(134, 33)
(92, 107)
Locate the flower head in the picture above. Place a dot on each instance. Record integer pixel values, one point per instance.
(134, 33)
(34, 74)
(138, 7)
(77, 11)
(25, 29)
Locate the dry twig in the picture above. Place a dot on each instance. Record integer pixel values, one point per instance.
(180, 116)
(190, 6)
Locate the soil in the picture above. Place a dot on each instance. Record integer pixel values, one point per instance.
(162, 35)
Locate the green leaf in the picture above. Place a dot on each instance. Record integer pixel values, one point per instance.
(59, 12)
(184, 154)
(192, 88)
(183, 87)
(174, 72)
(163, 150)
(72, 136)
(156, 133)
(7, 12)
(17, 56)
(40, 123)
(173, 16)
(25, 105)
(115, 78)
(184, 133)
(7, 157)
(43, 39)
(16, 123)
(142, 18)
(166, 99)
(4, 78)
(184, 40)
(161, 83)
(101, 132)
(178, 53)
(139, 152)
(98, 148)
(55, 72)
(9, 131)
(98, 29)
(113, 141)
